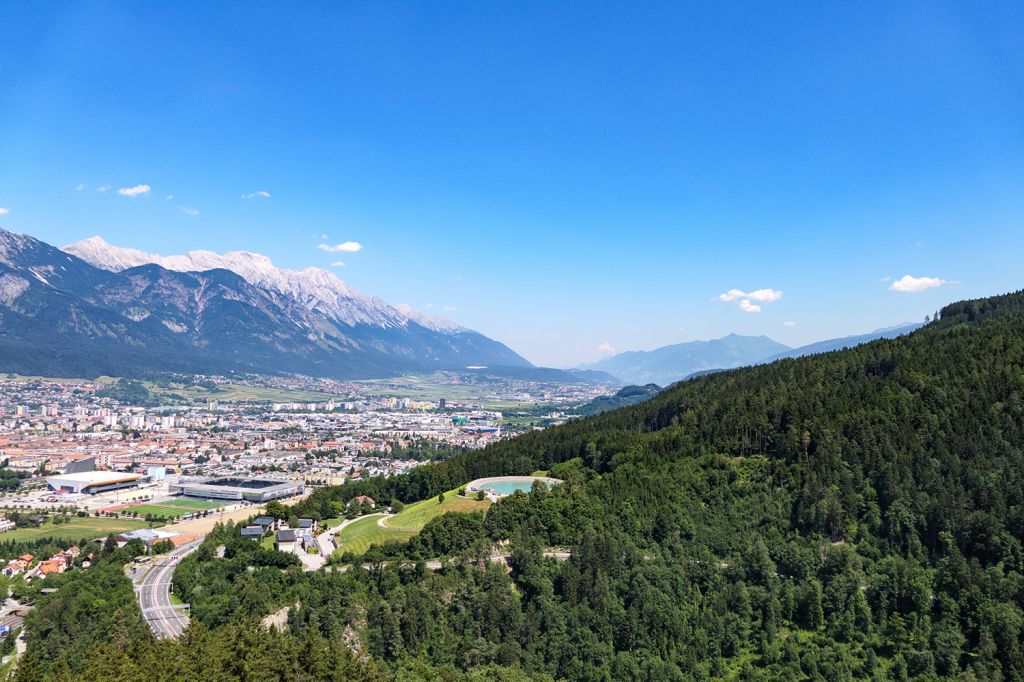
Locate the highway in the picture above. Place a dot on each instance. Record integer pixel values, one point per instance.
(153, 586)
(154, 591)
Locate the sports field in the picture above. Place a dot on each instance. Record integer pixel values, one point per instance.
(192, 504)
(171, 509)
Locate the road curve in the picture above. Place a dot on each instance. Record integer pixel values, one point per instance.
(154, 591)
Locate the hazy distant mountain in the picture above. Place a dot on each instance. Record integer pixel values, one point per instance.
(627, 395)
(829, 345)
(99, 309)
(593, 376)
(668, 364)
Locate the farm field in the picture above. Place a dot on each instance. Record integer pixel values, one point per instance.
(75, 529)
(192, 392)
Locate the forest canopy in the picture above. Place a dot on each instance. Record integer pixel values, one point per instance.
(853, 515)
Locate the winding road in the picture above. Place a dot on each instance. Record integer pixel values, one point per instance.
(154, 591)
(168, 621)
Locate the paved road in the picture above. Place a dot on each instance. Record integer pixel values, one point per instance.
(154, 591)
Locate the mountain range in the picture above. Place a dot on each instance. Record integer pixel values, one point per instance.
(94, 308)
(669, 364)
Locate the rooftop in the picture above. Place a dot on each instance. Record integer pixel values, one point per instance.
(97, 476)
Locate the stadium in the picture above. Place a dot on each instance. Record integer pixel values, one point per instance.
(236, 488)
(92, 482)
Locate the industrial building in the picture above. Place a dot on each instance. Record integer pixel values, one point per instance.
(237, 488)
(92, 482)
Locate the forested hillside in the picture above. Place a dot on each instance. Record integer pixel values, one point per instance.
(853, 515)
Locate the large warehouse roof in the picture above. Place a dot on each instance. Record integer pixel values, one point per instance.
(96, 477)
(93, 481)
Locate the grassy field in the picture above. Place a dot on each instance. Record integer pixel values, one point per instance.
(331, 523)
(370, 530)
(432, 387)
(231, 393)
(416, 515)
(167, 511)
(359, 535)
(75, 529)
(225, 392)
(194, 504)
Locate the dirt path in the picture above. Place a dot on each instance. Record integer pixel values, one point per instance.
(203, 526)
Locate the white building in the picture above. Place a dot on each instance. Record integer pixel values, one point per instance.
(92, 482)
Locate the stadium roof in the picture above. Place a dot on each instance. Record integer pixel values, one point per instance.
(97, 476)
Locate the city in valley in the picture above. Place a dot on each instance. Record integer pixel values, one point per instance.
(90, 446)
(511, 342)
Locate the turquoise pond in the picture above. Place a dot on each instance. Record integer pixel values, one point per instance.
(508, 487)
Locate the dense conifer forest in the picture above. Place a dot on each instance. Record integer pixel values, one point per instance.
(852, 515)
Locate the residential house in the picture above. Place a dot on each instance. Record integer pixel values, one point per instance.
(51, 566)
(285, 541)
(254, 532)
(266, 523)
(19, 565)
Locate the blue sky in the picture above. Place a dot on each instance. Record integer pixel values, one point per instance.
(569, 178)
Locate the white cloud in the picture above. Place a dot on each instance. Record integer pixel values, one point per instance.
(103, 188)
(261, 194)
(912, 285)
(188, 211)
(169, 197)
(606, 347)
(338, 264)
(884, 279)
(344, 247)
(449, 308)
(4, 211)
(79, 187)
(137, 190)
(323, 236)
(745, 300)
(765, 295)
(731, 295)
(789, 323)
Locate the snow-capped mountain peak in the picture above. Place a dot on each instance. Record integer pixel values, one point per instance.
(101, 309)
(438, 324)
(315, 288)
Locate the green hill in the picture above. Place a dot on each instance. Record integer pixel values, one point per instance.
(853, 515)
(377, 529)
